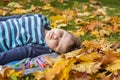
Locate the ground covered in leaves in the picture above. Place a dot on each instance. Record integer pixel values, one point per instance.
(99, 57)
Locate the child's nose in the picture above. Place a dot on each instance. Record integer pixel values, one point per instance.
(55, 37)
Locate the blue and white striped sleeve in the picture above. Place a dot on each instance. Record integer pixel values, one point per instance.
(46, 23)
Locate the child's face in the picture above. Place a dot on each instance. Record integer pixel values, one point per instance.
(58, 40)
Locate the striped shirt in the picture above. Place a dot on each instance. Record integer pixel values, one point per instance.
(26, 30)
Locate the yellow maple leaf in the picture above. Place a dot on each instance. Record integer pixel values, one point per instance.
(56, 69)
(113, 67)
(69, 15)
(39, 75)
(1, 11)
(61, 68)
(56, 18)
(88, 67)
(95, 33)
(15, 5)
(57, 21)
(73, 53)
(115, 19)
(67, 69)
(81, 33)
(16, 73)
(19, 11)
(46, 7)
(89, 57)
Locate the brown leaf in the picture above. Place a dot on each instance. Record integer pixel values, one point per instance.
(61, 1)
(1, 77)
(4, 72)
(115, 45)
(56, 10)
(95, 2)
(110, 56)
(75, 75)
(92, 25)
(116, 27)
(115, 76)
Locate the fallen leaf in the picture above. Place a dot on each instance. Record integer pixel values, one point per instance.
(18, 11)
(14, 5)
(87, 67)
(46, 7)
(39, 75)
(73, 53)
(61, 68)
(92, 25)
(110, 57)
(104, 33)
(89, 57)
(114, 67)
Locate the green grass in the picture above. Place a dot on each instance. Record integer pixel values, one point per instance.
(68, 4)
(113, 4)
(87, 36)
(77, 3)
(114, 37)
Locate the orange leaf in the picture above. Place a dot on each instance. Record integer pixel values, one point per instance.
(110, 56)
(92, 25)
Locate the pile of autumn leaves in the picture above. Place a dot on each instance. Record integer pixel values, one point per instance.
(98, 59)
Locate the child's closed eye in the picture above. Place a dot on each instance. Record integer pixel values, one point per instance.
(57, 44)
(61, 35)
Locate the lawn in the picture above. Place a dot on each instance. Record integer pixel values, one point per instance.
(109, 3)
(96, 23)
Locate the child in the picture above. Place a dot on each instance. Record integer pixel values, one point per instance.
(23, 36)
